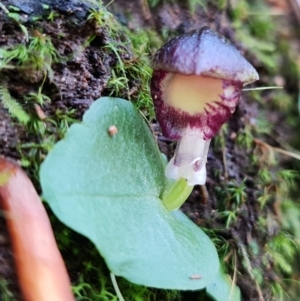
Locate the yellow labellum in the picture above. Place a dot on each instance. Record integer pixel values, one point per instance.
(191, 93)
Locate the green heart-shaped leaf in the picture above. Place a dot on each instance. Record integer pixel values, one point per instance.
(107, 187)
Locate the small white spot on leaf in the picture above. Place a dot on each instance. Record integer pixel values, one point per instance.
(195, 276)
(112, 130)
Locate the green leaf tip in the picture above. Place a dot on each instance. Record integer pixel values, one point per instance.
(223, 289)
(107, 188)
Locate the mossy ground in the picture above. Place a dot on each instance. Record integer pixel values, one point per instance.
(55, 63)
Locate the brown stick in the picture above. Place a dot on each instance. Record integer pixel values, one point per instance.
(40, 268)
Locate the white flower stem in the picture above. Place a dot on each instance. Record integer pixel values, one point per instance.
(190, 158)
(116, 287)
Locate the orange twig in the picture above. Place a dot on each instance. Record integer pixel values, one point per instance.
(40, 268)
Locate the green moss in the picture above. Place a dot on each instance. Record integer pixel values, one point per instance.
(5, 292)
(13, 107)
(131, 74)
(37, 55)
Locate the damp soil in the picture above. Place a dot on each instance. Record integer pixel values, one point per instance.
(81, 75)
